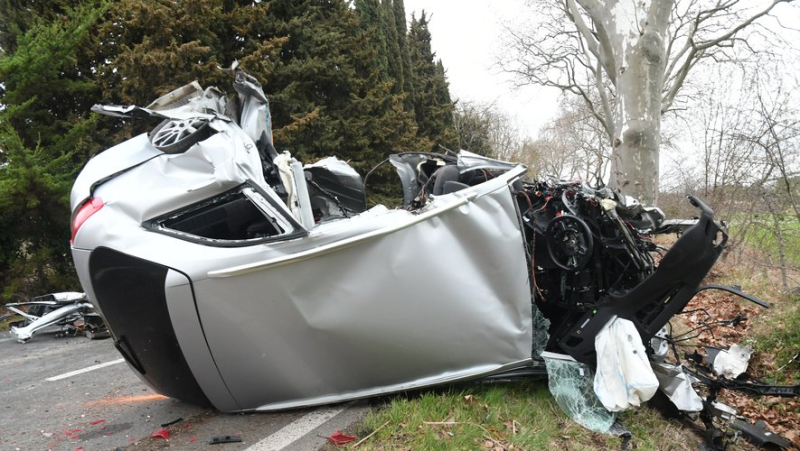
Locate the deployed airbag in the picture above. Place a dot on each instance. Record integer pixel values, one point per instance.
(624, 377)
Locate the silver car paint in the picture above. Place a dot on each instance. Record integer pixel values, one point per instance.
(443, 299)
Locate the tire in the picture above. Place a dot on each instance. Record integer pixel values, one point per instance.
(177, 136)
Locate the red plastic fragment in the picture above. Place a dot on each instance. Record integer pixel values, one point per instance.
(340, 439)
(192, 440)
(97, 422)
(79, 448)
(163, 433)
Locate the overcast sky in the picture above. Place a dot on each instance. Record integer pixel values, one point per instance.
(467, 36)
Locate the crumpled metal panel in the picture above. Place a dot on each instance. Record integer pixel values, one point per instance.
(166, 182)
(468, 161)
(444, 299)
(732, 362)
(677, 385)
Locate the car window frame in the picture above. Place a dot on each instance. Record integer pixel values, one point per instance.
(267, 205)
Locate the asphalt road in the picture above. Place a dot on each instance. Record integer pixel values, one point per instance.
(77, 394)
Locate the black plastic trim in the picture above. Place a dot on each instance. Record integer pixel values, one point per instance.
(130, 293)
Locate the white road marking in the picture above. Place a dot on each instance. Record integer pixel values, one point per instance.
(5, 339)
(85, 370)
(297, 429)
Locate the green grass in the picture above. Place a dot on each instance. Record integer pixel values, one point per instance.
(782, 341)
(762, 236)
(521, 415)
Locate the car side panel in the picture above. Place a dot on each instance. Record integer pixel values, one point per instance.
(444, 299)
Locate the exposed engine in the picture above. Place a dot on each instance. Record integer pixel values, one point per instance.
(584, 244)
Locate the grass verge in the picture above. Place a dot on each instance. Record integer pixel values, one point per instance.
(763, 236)
(781, 341)
(510, 416)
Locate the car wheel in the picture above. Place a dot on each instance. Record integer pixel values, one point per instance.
(178, 135)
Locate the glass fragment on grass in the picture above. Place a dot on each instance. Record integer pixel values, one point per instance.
(571, 384)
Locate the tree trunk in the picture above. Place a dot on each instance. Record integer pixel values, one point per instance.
(637, 32)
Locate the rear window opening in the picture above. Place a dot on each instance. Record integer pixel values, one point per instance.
(238, 216)
(232, 218)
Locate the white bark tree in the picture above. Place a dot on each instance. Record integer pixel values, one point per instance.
(636, 55)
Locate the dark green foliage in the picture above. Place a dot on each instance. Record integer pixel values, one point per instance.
(45, 130)
(34, 218)
(327, 93)
(45, 85)
(19, 16)
(432, 105)
(405, 53)
(370, 13)
(392, 45)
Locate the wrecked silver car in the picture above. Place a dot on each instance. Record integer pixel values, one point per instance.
(230, 274)
(70, 312)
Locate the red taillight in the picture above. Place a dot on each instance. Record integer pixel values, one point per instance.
(84, 212)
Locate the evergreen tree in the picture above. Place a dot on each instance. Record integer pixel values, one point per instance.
(369, 11)
(432, 105)
(405, 54)
(392, 45)
(45, 128)
(17, 17)
(327, 93)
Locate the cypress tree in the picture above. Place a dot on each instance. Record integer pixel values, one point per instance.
(432, 105)
(334, 101)
(405, 53)
(369, 11)
(392, 45)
